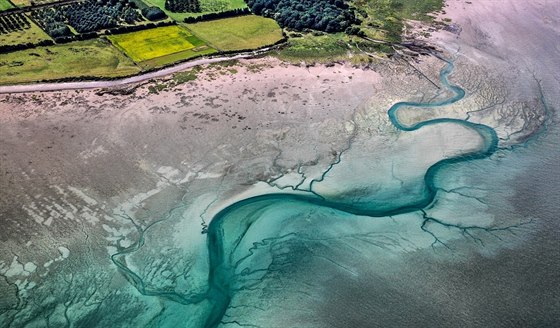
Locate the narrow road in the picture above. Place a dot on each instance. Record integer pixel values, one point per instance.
(57, 86)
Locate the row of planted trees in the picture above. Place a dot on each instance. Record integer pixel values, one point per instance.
(183, 6)
(87, 16)
(13, 22)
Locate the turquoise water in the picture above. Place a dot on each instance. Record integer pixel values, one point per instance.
(242, 237)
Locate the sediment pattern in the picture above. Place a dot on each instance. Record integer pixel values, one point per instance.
(229, 227)
(266, 195)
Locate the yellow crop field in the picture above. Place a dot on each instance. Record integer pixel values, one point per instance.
(157, 42)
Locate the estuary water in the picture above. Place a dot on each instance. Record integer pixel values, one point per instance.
(230, 226)
(384, 241)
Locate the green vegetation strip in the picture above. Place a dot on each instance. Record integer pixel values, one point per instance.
(384, 19)
(93, 58)
(5, 4)
(238, 33)
(312, 49)
(330, 48)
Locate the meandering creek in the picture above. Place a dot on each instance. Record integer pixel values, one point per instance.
(228, 228)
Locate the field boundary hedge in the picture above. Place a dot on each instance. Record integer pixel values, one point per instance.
(24, 46)
(113, 31)
(219, 15)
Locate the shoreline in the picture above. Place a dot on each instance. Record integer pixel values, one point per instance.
(124, 81)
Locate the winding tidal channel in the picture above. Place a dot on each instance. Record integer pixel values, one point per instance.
(229, 227)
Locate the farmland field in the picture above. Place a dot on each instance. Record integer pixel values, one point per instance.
(160, 46)
(237, 33)
(5, 4)
(20, 3)
(177, 57)
(33, 34)
(93, 58)
(207, 6)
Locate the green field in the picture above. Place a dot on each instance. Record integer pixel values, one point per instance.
(238, 33)
(177, 57)
(92, 58)
(33, 34)
(21, 3)
(160, 46)
(5, 4)
(329, 48)
(208, 6)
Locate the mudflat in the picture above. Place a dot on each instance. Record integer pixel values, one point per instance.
(148, 203)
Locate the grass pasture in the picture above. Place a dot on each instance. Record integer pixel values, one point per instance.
(238, 33)
(92, 58)
(177, 57)
(160, 46)
(5, 4)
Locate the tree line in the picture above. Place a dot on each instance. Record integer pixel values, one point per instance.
(87, 16)
(322, 15)
(218, 15)
(9, 48)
